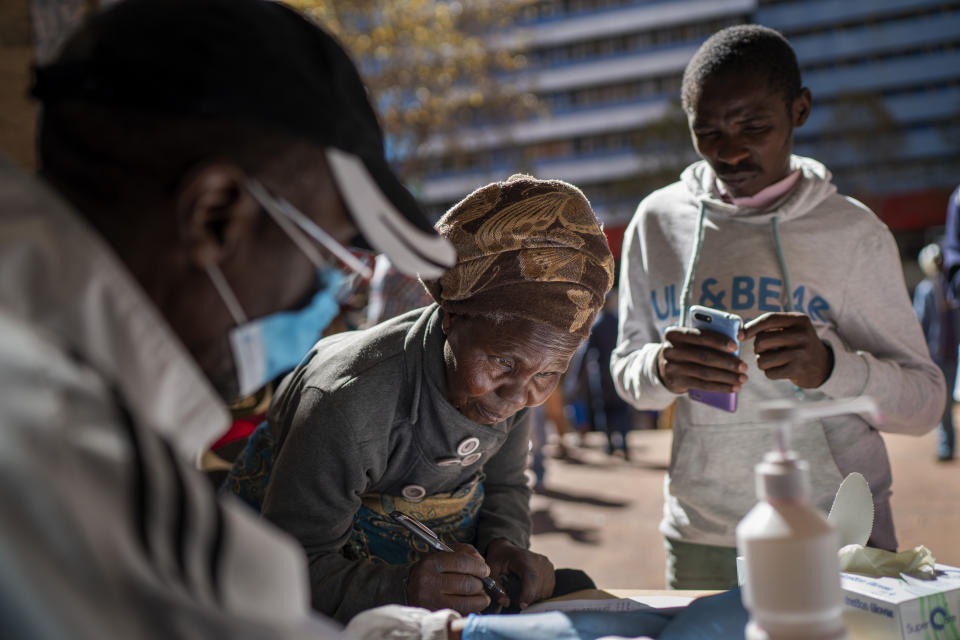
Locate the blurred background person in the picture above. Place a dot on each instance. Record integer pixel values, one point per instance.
(552, 412)
(951, 245)
(940, 318)
(392, 293)
(604, 410)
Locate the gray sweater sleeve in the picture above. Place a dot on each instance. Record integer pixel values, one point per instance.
(506, 504)
(320, 474)
(879, 349)
(633, 363)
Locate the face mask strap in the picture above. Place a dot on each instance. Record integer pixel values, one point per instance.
(315, 231)
(296, 224)
(272, 206)
(226, 293)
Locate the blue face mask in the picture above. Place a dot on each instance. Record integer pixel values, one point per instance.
(271, 345)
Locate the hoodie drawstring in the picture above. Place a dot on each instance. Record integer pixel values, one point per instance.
(787, 287)
(685, 293)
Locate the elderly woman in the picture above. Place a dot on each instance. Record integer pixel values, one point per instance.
(428, 413)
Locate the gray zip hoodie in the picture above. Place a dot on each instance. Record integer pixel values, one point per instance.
(841, 266)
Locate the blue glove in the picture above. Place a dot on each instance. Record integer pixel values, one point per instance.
(573, 625)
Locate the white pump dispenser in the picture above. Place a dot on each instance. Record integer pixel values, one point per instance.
(792, 574)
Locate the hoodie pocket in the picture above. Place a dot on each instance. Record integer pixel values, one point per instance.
(712, 484)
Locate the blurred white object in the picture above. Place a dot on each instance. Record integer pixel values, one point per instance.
(792, 574)
(791, 411)
(852, 511)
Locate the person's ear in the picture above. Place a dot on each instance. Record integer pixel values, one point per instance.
(214, 212)
(445, 321)
(800, 109)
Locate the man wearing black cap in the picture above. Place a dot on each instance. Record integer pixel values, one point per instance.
(218, 153)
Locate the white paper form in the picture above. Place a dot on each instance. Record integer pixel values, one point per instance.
(635, 603)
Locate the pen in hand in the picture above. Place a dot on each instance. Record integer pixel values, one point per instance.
(423, 532)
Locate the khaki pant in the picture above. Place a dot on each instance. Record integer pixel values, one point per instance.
(700, 566)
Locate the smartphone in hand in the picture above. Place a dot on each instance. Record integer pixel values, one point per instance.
(728, 324)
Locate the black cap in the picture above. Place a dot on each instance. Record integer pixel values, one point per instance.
(258, 61)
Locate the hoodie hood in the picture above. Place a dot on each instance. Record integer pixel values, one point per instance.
(811, 189)
(814, 186)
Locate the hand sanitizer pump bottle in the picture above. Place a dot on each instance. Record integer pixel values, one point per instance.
(792, 582)
(792, 586)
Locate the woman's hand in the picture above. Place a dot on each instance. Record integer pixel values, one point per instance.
(704, 360)
(787, 346)
(445, 580)
(535, 570)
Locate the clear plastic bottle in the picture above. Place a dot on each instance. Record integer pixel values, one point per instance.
(792, 579)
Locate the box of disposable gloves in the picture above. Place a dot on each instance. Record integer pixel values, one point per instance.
(895, 596)
(903, 608)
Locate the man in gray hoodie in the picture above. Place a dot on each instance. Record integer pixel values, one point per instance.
(816, 276)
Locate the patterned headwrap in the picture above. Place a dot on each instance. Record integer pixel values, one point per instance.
(526, 248)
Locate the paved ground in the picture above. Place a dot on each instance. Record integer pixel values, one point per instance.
(600, 513)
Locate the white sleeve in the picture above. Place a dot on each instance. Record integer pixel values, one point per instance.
(395, 622)
(633, 363)
(879, 348)
(107, 533)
